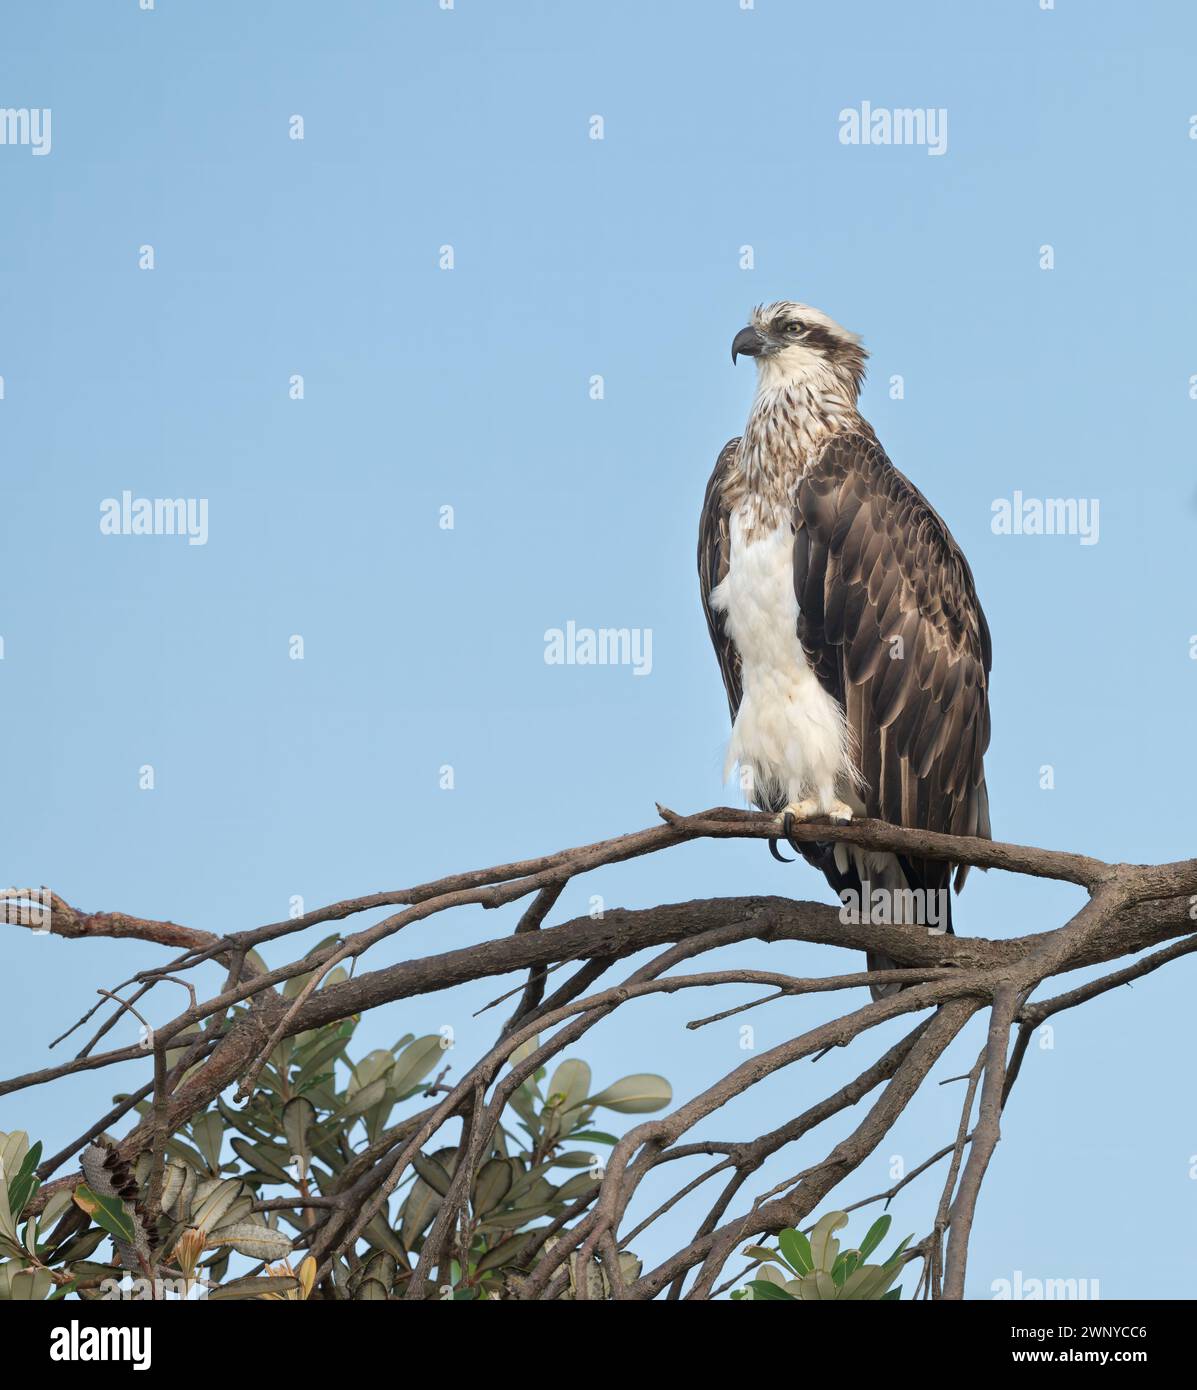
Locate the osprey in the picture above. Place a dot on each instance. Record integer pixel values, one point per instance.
(852, 644)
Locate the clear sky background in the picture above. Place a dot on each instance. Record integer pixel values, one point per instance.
(470, 388)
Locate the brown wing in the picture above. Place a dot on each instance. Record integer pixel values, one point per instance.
(714, 550)
(889, 619)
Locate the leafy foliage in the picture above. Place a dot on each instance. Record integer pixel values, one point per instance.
(307, 1135)
(815, 1268)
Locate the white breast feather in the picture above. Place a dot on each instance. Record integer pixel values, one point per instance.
(788, 731)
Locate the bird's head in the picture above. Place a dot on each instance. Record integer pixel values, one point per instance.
(794, 342)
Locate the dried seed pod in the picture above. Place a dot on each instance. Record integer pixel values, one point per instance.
(108, 1175)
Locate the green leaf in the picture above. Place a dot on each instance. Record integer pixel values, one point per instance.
(13, 1148)
(518, 1216)
(25, 1184)
(379, 1233)
(326, 1050)
(296, 983)
(92, 1269)
(184, 1151)
(254, 958)
(415, 1062)
(80, 1246)
(172, 1185)
(258, 1241)
(318, 1090)
(183, 1190)
(492, 1184)
(523, 1102)
(264, 1158)
(636, 1094)
(240, 1119)
(241, 1209)
(253, 1287)
(897, 1255)
(576, 1187)
(8, 1227)
(823, 1246)
(375, 1278)
(796, 1249)
(762, 1289)
(30, 1285)
(56, 1204)
(375, 1118)
(524, 1051)
(576, 1158)
(31, 1236)
(432, 1172)
(507, 1252)
(876, 1234)
(299, 1115)
(870, 1282)
(109, 1213)
(208, 1133)
(365, 1097)
(421, 1206)
(569, 1086)
(374, 1066)
(212, 1200)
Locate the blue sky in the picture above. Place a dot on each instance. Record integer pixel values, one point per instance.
(471, 388)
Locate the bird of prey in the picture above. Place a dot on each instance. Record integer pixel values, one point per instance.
(852, 644)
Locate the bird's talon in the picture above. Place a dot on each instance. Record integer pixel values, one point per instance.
(787, 825)
(776, 853)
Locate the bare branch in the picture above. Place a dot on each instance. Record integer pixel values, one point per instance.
(198, 1053)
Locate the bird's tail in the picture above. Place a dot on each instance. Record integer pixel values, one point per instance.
(886, 888)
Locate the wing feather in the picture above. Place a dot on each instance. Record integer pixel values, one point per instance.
(714, 557)
(890, 621)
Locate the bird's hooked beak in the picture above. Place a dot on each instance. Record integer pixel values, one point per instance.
(748, 342)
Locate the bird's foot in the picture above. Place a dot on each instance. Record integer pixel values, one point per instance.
(807, 809)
